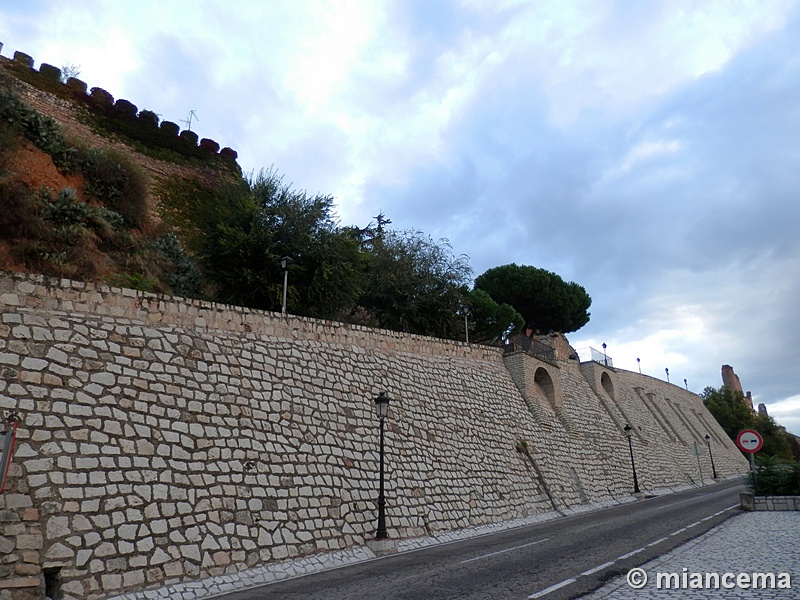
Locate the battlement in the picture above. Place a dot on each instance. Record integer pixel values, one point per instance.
(120, 115)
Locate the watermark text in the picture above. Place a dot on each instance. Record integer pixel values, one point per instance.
(687, 580)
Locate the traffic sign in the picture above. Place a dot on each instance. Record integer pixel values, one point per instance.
(749, 441)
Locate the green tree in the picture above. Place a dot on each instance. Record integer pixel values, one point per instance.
(730, 409)
(412, 283)
(489, 320)
(241, 231)
(546, 302)
(734, 414)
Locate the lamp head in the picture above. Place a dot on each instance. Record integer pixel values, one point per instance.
(628, 430)
(382, 405)
(285, 262)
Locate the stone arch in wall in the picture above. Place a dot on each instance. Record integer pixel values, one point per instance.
(608, 385)
(544, 385)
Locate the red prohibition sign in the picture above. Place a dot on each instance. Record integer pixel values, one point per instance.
(749, 441)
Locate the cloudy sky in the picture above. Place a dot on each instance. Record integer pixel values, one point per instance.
(647, 150)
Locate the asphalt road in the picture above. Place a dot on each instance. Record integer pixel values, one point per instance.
(557, 560)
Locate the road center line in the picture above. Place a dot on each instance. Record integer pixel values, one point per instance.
(695, 497)
(504, 551)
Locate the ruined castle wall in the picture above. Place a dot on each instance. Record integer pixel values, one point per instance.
(162, 440)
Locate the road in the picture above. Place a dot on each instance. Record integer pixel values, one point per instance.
(556, 560)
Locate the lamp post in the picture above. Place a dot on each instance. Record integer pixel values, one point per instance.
(605, 356)
(285, 262)
(629, 433)
(713, 468)
(686, 385)
(639, 363)
(381, 409)
(466, 310)
(666, 370)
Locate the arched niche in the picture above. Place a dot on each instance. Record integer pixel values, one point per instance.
(608, 385)
(544, 385)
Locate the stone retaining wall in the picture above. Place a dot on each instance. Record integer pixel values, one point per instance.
(750, 502)
(164, 440)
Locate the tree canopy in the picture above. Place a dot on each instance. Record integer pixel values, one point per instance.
(734, 414)
(240, 233)
(545, 300)
(413, 283)
(489, 320)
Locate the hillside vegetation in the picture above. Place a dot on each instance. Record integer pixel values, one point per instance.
(97, 190)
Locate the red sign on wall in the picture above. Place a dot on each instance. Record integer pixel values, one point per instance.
(6, 450)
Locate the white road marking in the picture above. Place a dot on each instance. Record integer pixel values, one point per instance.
(658, 541)
(598, 568)
(503, 551)
(567, 582)
(552, 588)
(629, 554)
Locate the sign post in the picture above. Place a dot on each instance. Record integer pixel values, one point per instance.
(6, 450)
(697, 453)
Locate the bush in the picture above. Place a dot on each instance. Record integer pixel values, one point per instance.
(19, 216)
(183, 276)
(43, 131)
(135, 281)
(775, 477)
(114, 180)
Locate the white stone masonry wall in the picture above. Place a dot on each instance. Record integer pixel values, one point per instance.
(164, 440)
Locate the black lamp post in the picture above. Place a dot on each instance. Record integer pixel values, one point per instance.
(466, 310)
(713, 468)
(686, 385)
(381, 409)
(285, 262)
(605, 356)
(666, 370)
(629, 433)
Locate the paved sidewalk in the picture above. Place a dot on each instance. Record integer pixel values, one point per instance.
(757, 542)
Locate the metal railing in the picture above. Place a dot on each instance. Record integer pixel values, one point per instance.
(593, 355)
(530, 345)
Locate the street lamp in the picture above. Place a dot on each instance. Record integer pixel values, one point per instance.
(713, 468)
(381, 410)
(629, 433)
(666, 370)
(639, 363)
(605, 356)
(686, 385)
(466, 310)
(285, 262)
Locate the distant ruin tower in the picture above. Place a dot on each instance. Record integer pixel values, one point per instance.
(762, 409)
(730, 380)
